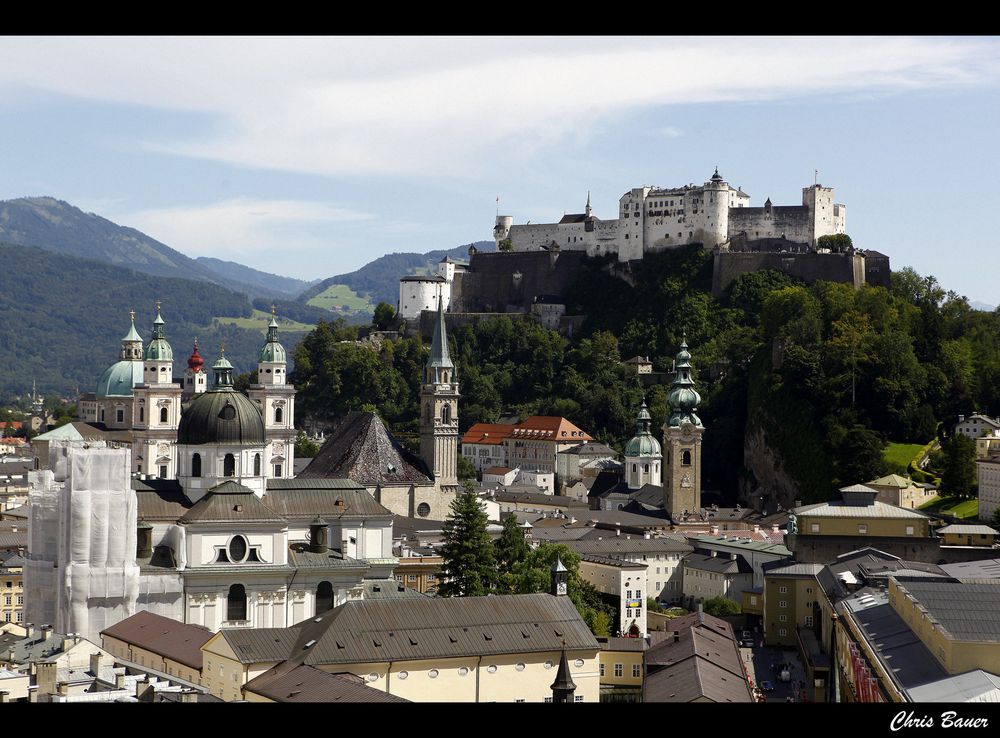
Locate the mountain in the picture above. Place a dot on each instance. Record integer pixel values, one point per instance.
(265, 282)
(358, 292)
(64, 318)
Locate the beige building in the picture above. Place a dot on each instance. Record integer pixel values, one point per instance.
(715, 574)
(534, 443)
(625, 584)
(901, 491)
(988, 474)
(621, 669)
(11, 587)
(968, 535)
(504, 648)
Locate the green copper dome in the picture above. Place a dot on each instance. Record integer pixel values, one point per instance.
(159, 349)
(221, 415)
(683, 397)
(643, 443)
(119, 379)
(273, 352)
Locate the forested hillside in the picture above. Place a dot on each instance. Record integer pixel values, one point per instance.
(63, 319)
(801, 386)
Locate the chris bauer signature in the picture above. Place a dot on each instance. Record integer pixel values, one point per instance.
(910, 719)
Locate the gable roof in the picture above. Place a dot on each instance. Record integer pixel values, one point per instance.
(362, 449)
(230, 502)
(549, 428)
(487, 434)
(304, 683)
(303, 499)
(436, 627)
(166, 637)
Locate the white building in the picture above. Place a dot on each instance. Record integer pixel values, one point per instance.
(663, 558)
(653, 218)
(988, 471)
(976, 425)
(624, 581)
(422, 292)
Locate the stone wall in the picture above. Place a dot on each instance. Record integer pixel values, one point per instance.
(811, 267)
(496, 280)
(793, 222)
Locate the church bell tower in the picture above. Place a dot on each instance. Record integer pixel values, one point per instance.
(682, 434)
(439, 410)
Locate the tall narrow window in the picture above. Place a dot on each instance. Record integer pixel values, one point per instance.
(163, 415)
(277, 415)
(196, 465)
(256, 465)
(142, 414)
(236, 603)
(324, 597)
(686, 458)
(446, 415)
(229, 466)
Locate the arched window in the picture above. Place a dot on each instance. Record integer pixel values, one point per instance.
(645, 468)
(277, 415)
(256, 465)
(163, 415)
(236, 603)
(686, 458)
(229, 466)
(635, 468)
(196, 465)
(446, 414)
(324, 597)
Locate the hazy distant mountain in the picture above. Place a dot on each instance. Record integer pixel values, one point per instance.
(976, 305)
(231, 270)
(378, 280)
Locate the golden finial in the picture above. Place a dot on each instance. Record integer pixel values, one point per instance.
(223, 348)
(196, 343)
(272, 309)
(157, 306)
(132, 315)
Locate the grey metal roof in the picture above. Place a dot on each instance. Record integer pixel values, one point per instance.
(221, 415)
(164, 636)
(700, 664)
(625, 545)
(968, 530)
(967, 611)
(972, 686)
(301, 557)
(362, 449)
(230, 502)
(982, 569)
(781, 568)
(305, 683)
(622, 644)
(160, 504)
(845, 510)
(389, 589)
(741, 543)
(261, 645)
(720, 564)
(608, 561)
(302, 501)
(436, 627)
(537, 498)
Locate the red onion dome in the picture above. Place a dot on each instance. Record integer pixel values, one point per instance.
(195, 362)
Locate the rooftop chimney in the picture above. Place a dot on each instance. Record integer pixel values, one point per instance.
(317, 535)
(46, 632)
(95, 664)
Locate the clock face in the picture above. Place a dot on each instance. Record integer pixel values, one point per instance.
(561, 587)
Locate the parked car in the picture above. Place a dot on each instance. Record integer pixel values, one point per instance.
(767, 686)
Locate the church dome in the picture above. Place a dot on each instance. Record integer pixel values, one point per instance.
(119, 379)
(221, 415)
(643, 443)
(159, 349)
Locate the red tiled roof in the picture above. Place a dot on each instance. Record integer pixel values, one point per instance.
(549, 428)
(489, 434)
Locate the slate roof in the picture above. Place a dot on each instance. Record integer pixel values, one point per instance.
(594, 448)
(537, 498)
(261, 645)
(18, 539)
(608, 561)
(967, 611)
(620, 545)
(720, 564)
(160, 500)
(230, 502)
(169, 638)
(304, 683)
(362, 449)
(435, 627)
(702, 620)
(701, 663)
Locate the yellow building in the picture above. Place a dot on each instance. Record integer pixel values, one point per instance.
(161, 644)
(621, 669)
(419, 571)
(11, 588)
(233, 657)
(901, 491)
(968, 535)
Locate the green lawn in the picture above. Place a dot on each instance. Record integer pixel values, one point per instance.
(899, 455)
(339, 298)
(966, 509)
(260, 319)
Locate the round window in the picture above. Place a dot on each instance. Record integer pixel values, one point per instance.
(578, 662)
(492, 668)
(463, 670)
(433, 673)
(548, 664)
(228, 412)
(519, 666)
(237, 548)
(423, 509)
(373, 677)
(403, 674)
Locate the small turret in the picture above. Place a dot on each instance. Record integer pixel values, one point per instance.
(563, 687)
(559, 581)
(132, 342)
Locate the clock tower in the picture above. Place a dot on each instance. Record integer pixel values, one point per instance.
(682, 434)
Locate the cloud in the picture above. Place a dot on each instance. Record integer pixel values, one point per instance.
(670, 131)
(261, 233)
(432, 106)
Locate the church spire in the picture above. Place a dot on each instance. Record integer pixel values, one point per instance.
(563, 687)
(132, 342)
(683, 397)
(439, 357)
(588, 211)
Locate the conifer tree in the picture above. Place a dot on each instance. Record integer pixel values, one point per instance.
(469, 568)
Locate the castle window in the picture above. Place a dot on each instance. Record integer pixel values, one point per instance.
(236, 603)
(229, 466)
(256, 465)
(277, 415)
(196, 465)
(163, 415)
(686, 458)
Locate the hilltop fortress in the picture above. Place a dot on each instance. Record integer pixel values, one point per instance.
(653, 219)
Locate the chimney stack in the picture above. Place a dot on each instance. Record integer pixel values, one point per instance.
(317, 535)
(95, 664)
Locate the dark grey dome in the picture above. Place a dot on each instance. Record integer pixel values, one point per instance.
(221, 416)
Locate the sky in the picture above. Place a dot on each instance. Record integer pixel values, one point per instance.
(311, 156)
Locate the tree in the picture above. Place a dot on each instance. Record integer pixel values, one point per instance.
(469, 567)
(719, 606)
(304, 447)
(995, 519)
(466, 469)
(837, 243)
(958, 477)
(505, 245)
(510, 546)
(385, 315)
